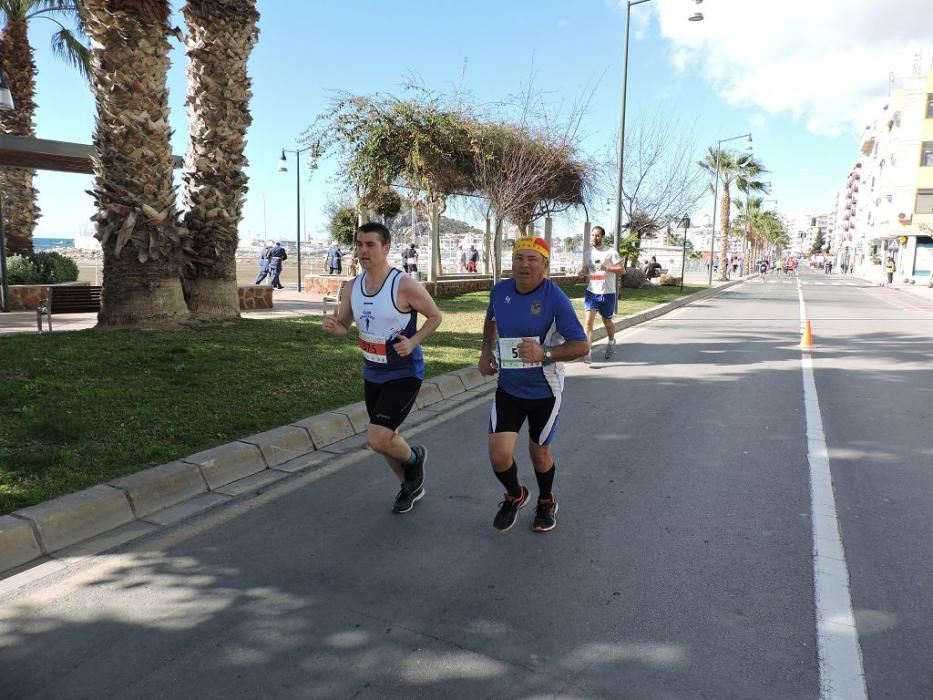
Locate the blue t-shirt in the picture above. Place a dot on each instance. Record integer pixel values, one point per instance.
(544, 313)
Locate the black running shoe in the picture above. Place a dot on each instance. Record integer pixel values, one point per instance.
(546, 515)
(508, 510)
(405, 500)
(414, 474)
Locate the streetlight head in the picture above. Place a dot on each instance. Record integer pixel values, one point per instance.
(283, 163)
(6, 97)
(748, 144)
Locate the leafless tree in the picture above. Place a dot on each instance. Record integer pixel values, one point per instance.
(661, 181)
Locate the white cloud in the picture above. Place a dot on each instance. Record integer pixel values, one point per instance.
(822, 62)
(760, 123)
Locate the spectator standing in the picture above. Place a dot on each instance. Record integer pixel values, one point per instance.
(334, 259)
(461, 259)
(889, 270)
(473, 262)
(411, 259)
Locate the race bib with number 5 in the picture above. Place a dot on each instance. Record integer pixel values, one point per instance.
(508, 354)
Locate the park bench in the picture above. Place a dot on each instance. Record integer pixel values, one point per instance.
(68, 300)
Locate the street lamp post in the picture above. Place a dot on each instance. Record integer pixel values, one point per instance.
(712, 231)
(695, 17)
(683, 260)
(283, 168)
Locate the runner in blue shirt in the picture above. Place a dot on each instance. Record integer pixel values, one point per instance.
(531, 329)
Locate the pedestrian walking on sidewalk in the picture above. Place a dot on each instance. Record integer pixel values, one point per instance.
(531, 329)
(385, 303)
(277, 256)
(264, 263)
(889, 270)
(600, 293)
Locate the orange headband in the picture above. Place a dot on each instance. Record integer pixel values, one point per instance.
(538, 245)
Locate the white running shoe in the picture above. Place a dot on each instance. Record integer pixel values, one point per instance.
(610, 348)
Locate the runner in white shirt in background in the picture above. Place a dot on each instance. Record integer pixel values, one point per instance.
(600, 294)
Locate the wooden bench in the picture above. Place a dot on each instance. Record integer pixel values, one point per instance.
(68, 300)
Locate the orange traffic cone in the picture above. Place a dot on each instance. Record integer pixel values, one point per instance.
(807, 341)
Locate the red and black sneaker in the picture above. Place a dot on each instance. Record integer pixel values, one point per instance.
(508, 510)
(545, 515)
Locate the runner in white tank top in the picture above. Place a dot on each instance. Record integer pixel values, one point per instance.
(384, 304)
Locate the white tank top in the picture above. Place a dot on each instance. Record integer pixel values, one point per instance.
(380, 321)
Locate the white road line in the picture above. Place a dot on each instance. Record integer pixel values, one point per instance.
(839, 654)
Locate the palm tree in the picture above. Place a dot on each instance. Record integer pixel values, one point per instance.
(748, 221)
(133, 189)
(17, 60)
(743, 169)
(221, 35)
(771, 230)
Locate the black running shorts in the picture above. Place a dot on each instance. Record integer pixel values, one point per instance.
(388, 403)
(509, 413)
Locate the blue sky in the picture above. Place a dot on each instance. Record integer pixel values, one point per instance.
(782, 82)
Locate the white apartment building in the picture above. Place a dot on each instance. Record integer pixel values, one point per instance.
(887, 206)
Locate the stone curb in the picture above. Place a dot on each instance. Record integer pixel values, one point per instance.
(326, 428)
(102, 516)
(161, 487)
(79, 516)
(221, 465)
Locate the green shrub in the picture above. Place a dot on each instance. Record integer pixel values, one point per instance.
(21, 270)
(41, 268)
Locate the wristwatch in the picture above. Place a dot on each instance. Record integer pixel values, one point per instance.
(547, 355)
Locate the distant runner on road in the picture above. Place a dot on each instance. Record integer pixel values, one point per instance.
(600, 293)
(384, 304)
(531, 329)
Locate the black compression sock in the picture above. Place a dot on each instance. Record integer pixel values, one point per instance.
(509, 479)
(545, 481)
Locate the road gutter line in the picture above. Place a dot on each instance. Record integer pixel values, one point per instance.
(839, 653)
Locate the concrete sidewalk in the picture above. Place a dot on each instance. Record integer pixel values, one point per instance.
(287, 303)
(50, 536)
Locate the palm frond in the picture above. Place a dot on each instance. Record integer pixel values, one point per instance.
(40, 6)
(69, 48)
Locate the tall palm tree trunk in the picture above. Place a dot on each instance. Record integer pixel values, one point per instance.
(725, 208)
(221, 35)
(20, 210)
(133, 186)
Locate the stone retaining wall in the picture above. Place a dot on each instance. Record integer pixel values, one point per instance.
(27, 297)
(329, 285)
(254, 296)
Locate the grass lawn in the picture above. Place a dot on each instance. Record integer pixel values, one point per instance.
(80, 408)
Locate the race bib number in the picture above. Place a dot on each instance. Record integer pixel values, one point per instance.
(598, 276)
(508, 354)
(373, 347)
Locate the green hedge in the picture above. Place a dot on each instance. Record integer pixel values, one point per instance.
(41, 268)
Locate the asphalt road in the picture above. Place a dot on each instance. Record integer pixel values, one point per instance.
(681, 567)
